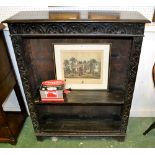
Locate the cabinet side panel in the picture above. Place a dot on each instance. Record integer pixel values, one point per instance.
(130, 84)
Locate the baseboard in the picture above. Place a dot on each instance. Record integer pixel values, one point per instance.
(142, 113)
(13, 109)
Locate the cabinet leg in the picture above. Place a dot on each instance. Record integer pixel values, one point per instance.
(13, 141)
(39, 138)
(152, 126)
(120, 139)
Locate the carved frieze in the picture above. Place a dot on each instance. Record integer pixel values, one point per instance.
(77, 28)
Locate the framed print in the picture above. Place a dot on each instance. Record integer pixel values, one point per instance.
(83, 66)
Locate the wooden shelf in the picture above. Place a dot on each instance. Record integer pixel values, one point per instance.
(87, 97)
(78, 125)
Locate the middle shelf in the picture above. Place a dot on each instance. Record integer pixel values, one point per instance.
(87, 97)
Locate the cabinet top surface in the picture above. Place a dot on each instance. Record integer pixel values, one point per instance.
(77, 16)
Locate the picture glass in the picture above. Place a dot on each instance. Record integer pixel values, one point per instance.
(83, 66)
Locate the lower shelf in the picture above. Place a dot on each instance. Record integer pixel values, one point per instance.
(43, 135)
(79, 126)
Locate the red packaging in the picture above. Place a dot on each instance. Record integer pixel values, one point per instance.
(52, 91)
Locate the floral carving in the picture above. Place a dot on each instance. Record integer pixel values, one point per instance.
(132, 72)
(77, 28)
(17, 44)
(134, 30)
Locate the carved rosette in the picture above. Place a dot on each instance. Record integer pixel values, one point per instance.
(17, 44)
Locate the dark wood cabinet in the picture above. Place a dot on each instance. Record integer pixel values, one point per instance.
(84, 112)
(10, 122)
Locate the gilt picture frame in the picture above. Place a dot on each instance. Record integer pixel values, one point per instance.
(83, 66)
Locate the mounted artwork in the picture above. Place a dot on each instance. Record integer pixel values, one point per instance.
(83, 66)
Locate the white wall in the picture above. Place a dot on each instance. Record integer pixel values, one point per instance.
(44, 3)
(14, 105)
(143, 103)
(11, 103)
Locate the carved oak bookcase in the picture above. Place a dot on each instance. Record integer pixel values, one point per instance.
(84, 112)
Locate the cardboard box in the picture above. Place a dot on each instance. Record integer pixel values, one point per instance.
(52, 91)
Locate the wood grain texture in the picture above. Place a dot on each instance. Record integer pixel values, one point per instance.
(90, 97)
(153, 73)
(81, 125)
(33, 44)
(45, 16)
(40, 62)
(2, 26)
(10, 122)
(4, 61)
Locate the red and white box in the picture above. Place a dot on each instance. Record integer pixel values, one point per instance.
(52, 91)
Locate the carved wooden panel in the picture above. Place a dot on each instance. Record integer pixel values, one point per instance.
(77, 28)
(134, 31)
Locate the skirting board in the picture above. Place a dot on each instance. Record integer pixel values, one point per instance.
(142, 113)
